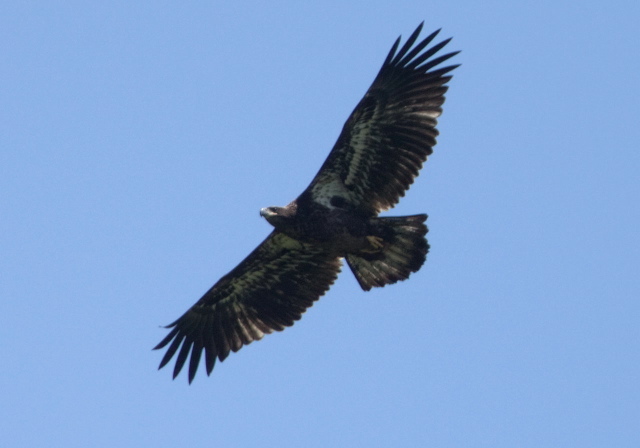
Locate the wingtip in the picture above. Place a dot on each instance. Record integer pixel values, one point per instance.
(176, 371)
(164, 362)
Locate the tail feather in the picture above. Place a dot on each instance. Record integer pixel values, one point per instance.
(404, 252)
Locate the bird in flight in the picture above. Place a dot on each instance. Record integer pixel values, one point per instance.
(379, 152)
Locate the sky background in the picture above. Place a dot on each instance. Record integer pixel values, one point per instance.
(138, 141)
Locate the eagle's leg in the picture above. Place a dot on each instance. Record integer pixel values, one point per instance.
(375, 244)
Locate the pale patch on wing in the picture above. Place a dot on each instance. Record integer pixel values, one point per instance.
(329, 187)
(428, 114)
(289, 243)
(360, 161)
(278, 254)
(251, 331)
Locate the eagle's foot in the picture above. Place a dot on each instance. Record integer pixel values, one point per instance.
(375, 244)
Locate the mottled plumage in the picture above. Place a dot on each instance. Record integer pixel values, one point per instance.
(378, 154)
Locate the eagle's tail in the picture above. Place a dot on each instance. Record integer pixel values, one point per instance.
(404, 250)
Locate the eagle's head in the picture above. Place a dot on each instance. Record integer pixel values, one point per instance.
(279, 217)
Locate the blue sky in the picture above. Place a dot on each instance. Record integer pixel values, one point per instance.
(138, 141)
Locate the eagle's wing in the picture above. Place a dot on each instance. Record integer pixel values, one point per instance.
(389, 134)
(267, 291)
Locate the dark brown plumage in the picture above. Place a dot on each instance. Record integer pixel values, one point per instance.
(379, 152)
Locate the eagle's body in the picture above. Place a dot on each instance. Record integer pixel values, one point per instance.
(336, 230)
(381, 148)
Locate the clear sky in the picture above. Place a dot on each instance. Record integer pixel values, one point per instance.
(138, 141)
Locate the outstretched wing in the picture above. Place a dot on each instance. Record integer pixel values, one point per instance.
(389, 134)
(269, 290)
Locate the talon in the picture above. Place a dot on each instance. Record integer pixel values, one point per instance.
(375, 242)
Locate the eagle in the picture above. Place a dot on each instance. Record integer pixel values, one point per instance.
(379, 153)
